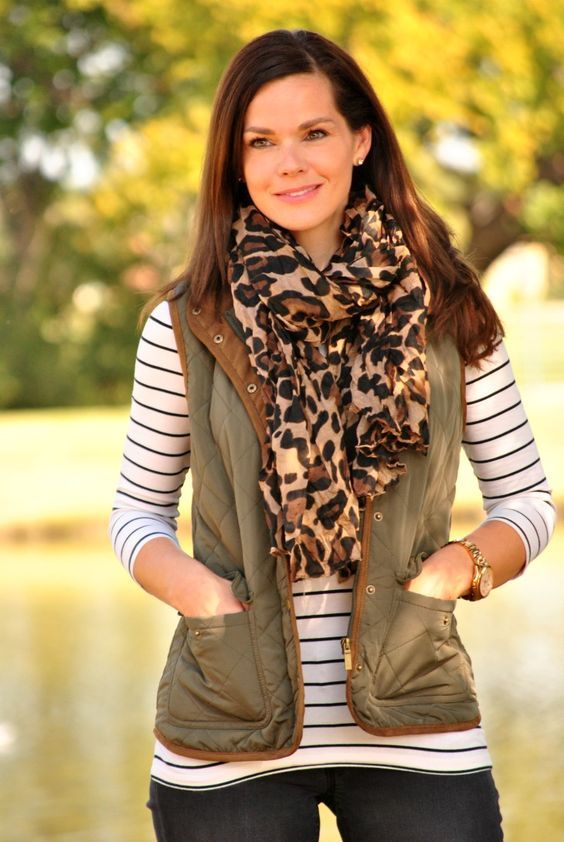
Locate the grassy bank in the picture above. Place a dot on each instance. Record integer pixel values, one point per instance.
(60, 466)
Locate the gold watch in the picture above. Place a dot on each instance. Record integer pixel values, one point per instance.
(482, 580)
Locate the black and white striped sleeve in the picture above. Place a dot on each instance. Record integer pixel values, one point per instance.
(502, 451)
(156, 455)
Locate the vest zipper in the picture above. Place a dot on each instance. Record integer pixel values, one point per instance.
(346, 647)
(348, 644)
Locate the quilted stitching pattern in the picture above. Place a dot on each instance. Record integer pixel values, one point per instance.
(216, 675)
(229, 530)
(417, 670)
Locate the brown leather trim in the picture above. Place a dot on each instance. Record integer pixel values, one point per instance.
(177, 330)
(359, 586)
(232, 355)
(401, 730)
(299, 707)
(361, 574)
(275, 754)
(198, 754)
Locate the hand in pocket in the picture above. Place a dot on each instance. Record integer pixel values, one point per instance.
(446, 574)
(209, 595)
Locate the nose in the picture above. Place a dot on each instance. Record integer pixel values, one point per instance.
(290, 160)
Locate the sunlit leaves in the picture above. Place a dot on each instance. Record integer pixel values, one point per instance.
(104, 106)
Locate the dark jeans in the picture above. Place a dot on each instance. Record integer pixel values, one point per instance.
(371, 805)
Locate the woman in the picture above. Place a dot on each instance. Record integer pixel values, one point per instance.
(336, 350)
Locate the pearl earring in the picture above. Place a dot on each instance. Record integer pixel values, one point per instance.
(360, 162)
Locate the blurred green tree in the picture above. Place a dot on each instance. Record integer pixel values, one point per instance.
(69, 80)
(105, 105)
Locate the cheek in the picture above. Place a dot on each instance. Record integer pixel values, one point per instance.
(337, 163)
(255, 171)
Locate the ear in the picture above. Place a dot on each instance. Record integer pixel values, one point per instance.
(363, 142)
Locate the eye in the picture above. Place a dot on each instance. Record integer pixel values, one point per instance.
(316, 134)
(258, 142)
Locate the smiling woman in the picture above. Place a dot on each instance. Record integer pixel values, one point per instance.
(298, 171)
(318, 367)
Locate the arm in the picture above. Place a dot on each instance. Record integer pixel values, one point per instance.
(520, 514)
(154, 466)
(174, 577)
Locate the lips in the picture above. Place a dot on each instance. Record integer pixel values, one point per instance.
(295, 194)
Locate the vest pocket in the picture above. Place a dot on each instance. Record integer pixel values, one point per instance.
(421, 653)
(217, 678)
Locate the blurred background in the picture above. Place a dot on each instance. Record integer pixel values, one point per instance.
(104, 107)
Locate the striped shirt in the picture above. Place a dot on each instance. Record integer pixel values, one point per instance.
(502, 451)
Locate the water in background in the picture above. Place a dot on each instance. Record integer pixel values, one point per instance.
(82, 652)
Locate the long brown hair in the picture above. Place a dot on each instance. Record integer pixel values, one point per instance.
(458, 304)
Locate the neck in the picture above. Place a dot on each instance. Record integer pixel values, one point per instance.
(320, 252)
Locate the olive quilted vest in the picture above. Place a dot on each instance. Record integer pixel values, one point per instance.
(232, 686)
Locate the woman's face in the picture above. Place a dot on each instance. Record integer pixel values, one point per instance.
(298, 157)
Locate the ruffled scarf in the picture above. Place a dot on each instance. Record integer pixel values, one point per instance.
(340, 354)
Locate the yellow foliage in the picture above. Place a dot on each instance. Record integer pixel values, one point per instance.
(155, 167)
(488, 67)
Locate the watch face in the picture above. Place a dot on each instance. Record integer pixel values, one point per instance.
(486, 582)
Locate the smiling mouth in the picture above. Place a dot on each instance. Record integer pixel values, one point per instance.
(299, 192)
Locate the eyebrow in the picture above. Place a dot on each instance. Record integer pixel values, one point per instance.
(307, 125)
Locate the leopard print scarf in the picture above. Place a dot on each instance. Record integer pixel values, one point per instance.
(337, 421)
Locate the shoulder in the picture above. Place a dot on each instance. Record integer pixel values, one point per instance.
(494, 370)
(160, 315)
(158, 327)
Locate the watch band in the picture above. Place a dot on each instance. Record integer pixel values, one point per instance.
(482, 580)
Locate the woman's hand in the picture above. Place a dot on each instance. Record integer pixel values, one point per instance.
(447, 574)
(207, 595)
(184, 583)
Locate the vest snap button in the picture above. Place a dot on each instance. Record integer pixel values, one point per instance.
(197, 633)
(251, 388)
(359, 667)
(378, 516)
(370, 589)
(196, 311)
(218, 338)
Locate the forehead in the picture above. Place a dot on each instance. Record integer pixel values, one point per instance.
(292, 100)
